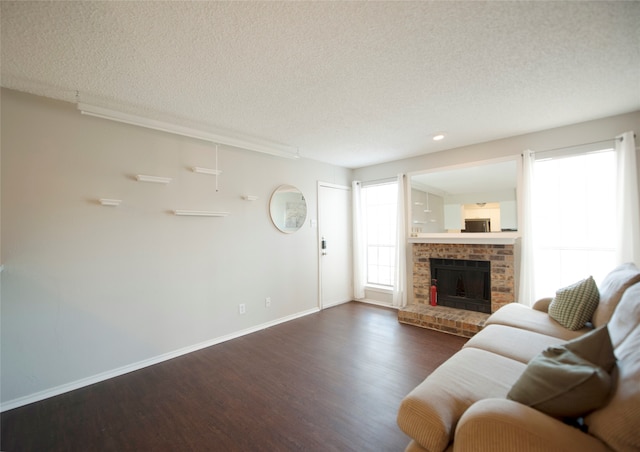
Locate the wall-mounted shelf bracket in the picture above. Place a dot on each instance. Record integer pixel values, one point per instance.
(154, 179)
(110, 202)
(210, 171)
(200, 213)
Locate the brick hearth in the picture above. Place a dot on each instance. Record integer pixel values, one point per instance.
(457, 321)
(441, 318)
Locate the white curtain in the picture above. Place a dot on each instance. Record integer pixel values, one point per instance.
(359, 255)
(399, 287)
(526, 281)
(628, 221)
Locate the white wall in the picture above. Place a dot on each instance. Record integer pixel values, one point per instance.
(88, 290)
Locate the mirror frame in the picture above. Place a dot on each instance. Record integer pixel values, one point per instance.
(282, 214)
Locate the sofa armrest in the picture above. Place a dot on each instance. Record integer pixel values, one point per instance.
(501, 425)
(542, 304)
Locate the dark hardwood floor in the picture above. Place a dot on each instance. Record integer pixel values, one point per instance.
(330, 381)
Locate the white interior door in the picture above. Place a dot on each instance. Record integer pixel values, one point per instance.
(334, 244)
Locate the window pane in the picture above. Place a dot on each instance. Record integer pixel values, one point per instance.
(379, 211)
(574, 219)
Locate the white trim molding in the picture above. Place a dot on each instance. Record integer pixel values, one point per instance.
(256, 145)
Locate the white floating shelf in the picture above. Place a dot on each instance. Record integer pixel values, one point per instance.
(419, 222)
(154, 179)
(418, 203)
(200, 213)
(249, 197)
(210, 171)
(110, 202)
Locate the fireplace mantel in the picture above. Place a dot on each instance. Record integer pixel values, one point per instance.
(469, 238)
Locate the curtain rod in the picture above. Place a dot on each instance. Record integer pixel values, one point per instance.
(578, 145)
(386, 180)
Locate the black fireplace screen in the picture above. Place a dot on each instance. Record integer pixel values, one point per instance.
(463, 284)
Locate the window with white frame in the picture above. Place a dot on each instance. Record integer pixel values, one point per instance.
(379, 211)
(574, 220)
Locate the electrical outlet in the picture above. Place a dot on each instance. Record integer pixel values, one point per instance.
(242, 308)
(267, 302)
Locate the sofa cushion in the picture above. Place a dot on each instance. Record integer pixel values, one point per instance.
(618, 423)
(568, 380)
(500, 425)
(611, 289)
(626, 317)
(574, 305)
(430, 412)
(515, 343)
(520, 316)
(542, 304)
(414, 447)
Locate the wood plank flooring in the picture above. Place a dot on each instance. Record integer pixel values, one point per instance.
(330, 381)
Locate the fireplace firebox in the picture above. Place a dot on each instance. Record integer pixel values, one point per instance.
(463, 284)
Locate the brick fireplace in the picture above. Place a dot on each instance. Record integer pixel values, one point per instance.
(458, 321)
(500, 257)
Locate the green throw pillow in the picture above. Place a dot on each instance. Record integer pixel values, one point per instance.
(595, 347)
(574, 305)
(569, 380)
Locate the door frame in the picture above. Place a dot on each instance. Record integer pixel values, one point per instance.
(319, 237)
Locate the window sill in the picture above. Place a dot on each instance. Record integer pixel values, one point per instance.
(379, 289)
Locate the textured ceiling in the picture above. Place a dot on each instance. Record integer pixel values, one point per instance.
(350, 83)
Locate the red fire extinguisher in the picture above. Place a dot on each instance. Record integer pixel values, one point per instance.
(434, 292)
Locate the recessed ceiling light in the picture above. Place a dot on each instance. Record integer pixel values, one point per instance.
(438, 137)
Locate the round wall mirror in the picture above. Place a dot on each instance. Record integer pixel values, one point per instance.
(288, 208)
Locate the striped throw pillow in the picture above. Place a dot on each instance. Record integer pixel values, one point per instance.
(574, 305)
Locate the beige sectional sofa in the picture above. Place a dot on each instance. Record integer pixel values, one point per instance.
(463, 405)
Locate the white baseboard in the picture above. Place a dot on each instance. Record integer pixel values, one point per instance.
(376, 303)
(67, 387)
(337, 303)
